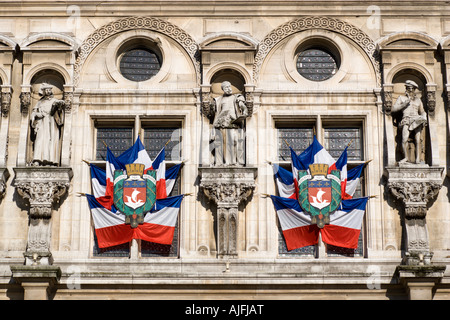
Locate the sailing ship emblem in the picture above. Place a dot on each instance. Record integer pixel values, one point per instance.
(134, 192)
(319, 192)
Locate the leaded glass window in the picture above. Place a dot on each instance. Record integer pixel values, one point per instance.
(298, 138)
(139, 64)
(336, 139)
(117, 139)
(316, 64)
(156, 137)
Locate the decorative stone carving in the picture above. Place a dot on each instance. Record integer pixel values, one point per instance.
(43, 187)
(68, 98)
(6, 102)
(431, 101)
(227, 188)
(387, 98)
(4, 175)
(415, 186)
(327, 23)
(132, 23)
(25, 101)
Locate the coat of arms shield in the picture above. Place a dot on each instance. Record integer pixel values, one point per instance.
(319, 192)
(134, 192)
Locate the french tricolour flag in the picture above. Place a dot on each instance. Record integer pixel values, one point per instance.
(285, 182)
(158, 227)
(171, 177)
(343, 230)
(345, 224)
(159, 164)
(341, 164)
(296, 225)
(353, 179)
(136, 154)
(112, 164)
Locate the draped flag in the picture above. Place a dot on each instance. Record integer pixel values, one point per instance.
(353, 178)
(341, 165)
(325, 205)
(285, 182)
(295, 224)
(127, 180)
(345, 224)
(171, 177)
(158, 227)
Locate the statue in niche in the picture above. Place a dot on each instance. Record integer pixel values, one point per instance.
(47, 118)
(228, 134)
(414, 118)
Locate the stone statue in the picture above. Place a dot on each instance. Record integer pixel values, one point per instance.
(47, 119)
(228, 135)
(414, 118)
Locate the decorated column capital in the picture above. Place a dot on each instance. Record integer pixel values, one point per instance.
(227, 187)
(415, 186)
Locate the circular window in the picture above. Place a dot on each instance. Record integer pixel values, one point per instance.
(139, 64)
(316, 64)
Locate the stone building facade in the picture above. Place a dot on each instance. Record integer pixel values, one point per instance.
(148, 69)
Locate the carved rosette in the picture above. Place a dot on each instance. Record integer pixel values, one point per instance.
(227, 188)
(42, 187)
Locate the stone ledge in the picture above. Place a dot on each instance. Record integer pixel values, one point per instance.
(44, 273)
(427, 272)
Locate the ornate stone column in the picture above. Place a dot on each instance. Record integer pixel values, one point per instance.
(227, 188)
(43, 187)
(415, 186)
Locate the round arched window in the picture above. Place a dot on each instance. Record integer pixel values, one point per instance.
(139, 64)
(317, 64)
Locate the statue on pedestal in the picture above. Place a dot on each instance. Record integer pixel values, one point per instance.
(414, 118)
(228, 134)
(47, 118)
